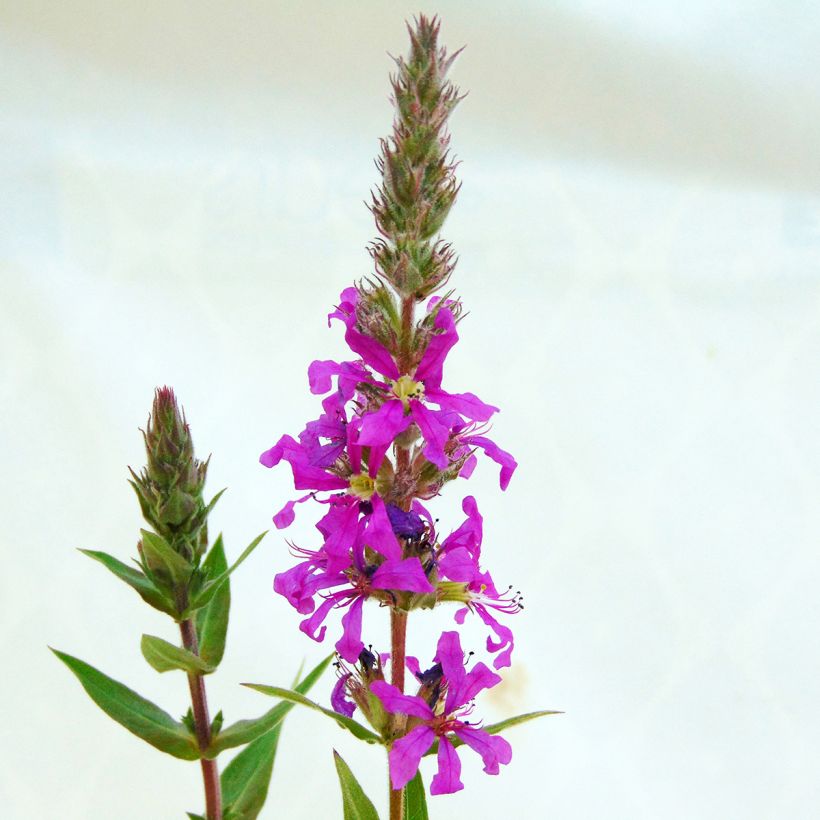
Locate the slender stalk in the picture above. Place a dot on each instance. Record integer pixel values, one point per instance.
(398, 617)
(202, 726)
(398, 642)
(398, 635)
(396, 802)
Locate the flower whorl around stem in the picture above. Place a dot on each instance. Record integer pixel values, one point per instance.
(170, 487)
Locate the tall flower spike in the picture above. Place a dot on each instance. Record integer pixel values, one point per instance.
(390, 436)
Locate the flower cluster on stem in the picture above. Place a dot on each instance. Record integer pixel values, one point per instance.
(389, 438)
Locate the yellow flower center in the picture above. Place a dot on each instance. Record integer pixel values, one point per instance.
(404, 388)
(362, 486)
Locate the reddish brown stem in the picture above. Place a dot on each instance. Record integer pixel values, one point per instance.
(202, 727)
(398, 617)
(398, 640)
(398, 645)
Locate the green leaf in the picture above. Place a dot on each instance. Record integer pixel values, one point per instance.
(212, 587)
(193, 816)
(160, 555)
(212, 619)
(495, 728)
(345, 722)
(145, 719)
(135, 579)
(245, 731)
(356, 804)
(164, 657)
(246, 779)
(212, 502)
(415, 800)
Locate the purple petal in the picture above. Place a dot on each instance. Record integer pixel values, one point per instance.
(471, 531)
(394, 701)
(340, 525)
(379, 533)
(294, 586)
(505, 638)
(270, 458)
(373, 353)
(284, 518)
(451, 657)
(435, 433)
(499, 456)
(494, 750)
(305, 475)
(406, 754)
(432, 362)
(468, 467)
(448, 778)
(412, 663)
(459, 565)
(350, 644)
(405, 524)
(347, 306)
(407, 575)
(467, 404)
(424, 513)
(320, 375)
(338, 701)
(384, 425)
(476, 680)
(375, 458)
(331, 426)
(310, 626)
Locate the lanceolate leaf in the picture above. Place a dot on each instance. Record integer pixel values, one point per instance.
(245, 780)
(192, 816)
(212, 619)
(355, 802)
(415, 800)
(145, 719)
(210, 589)
(245, 731)
(495, 728)
(212, 502)
(135, 579)
(164, 656)
(345, 722)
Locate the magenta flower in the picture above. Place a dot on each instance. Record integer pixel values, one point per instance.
(452, 690)
(403, 398)
(346, 588)
(457, 559)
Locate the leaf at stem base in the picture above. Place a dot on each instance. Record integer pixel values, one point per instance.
(141, 717)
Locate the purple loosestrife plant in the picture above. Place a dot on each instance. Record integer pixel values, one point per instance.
(388, 440)
(179, 575)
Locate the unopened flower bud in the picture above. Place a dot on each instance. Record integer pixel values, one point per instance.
(170, 487)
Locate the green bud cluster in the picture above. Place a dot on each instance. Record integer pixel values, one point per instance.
(170, 487)
(418, 180)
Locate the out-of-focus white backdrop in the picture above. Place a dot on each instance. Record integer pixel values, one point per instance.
(639, 239)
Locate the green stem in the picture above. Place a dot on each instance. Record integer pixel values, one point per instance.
(202, 727)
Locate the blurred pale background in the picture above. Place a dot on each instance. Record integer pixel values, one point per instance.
(639, 233)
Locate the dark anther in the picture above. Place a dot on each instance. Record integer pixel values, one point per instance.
(367, 659)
